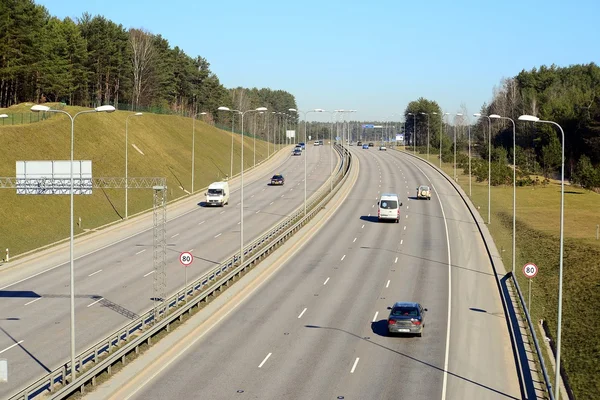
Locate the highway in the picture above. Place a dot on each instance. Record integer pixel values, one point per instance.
(114, 283)
(316, 329)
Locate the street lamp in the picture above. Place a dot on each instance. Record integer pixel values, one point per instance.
(424, 113)
(414, 133)
(316, 110)
(259, 109)
(469, 130)
(105, 108)
(442, 115)
(455, 177)
(531, 118)
(489, 164)
(194, 145)
(514, 243)
(126, 165)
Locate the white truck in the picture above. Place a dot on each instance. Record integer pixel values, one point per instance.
(217, 194)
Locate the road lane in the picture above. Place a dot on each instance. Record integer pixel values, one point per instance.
(122, 290)
(339, 346)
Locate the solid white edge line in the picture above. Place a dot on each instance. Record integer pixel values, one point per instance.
(175, 235)
(140, 252)
(94, 273)
(33, 301)
(265, 360)
(375, 317)
(97, 301)
(355, 364)
(447, 353)
(11, 346)
(326, 280)
(302, 313)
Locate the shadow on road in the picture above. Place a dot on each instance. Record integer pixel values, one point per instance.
(369, 218)
(416, 360)
(34, 358)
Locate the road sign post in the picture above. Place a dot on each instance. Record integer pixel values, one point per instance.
(530, 270)
(186, 259)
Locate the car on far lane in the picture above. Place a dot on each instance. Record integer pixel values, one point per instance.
(302, 144)
(366, 146)
(406, 317)
(423, 192)
(359, 143)
(277, 179)
(382, 148)
(371, 144)
(316, 143)
(297, 152)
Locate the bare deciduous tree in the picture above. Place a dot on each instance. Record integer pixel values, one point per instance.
(142, 56)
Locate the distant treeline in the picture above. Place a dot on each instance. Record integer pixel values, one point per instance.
(94, 61)
(569, 96)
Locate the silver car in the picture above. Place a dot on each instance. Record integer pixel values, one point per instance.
(406, 317)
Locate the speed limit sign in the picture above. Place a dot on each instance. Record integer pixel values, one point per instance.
(530, 270)
(186, 258)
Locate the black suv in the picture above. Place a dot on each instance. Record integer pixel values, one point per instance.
(277, 180)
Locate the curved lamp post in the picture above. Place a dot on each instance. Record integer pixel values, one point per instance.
(316, 110)
(414, 132)
(424, 113)
(531, 118)
(194, 145)
(514, 242)
(259, 109)
(489, 164)
(41, 108)
(126, 162)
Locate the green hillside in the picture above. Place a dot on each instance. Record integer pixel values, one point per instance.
(31, 221)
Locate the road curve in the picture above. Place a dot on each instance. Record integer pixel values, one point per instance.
(114, 284)
(317, 328)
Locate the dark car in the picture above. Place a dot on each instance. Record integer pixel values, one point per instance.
(406, 317)
(302, 144)
(371, 144)
(277, 179)
(359, 143)
(297, 152)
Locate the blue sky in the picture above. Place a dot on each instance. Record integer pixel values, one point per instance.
(372, 56)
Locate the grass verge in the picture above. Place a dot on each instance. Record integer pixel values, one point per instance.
(158, 146)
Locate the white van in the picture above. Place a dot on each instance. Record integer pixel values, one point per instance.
(217, 194)
(388, 207)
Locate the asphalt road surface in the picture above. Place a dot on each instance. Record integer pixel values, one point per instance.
(114, 284)
(317, 329)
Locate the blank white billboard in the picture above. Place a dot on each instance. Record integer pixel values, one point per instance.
(290, 134)
(54, 177)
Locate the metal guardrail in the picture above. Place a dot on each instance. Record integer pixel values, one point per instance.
(115, 347)
(538, 349)
(514, 329)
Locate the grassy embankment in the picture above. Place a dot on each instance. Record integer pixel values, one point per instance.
(538, 217)
(29, 222)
